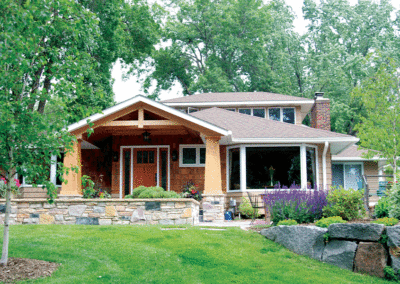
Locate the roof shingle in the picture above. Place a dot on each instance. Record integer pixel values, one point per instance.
(245, 126)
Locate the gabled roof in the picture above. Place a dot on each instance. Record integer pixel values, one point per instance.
(142, 99)
(251, 129)
(238, 98)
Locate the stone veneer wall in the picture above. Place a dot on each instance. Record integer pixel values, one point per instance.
(103, 211)
(213, 207)
(356, 247)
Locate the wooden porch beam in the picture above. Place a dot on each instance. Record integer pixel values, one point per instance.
(140, 124)
(141, 118)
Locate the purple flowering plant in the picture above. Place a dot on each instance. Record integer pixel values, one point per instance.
(304, 206)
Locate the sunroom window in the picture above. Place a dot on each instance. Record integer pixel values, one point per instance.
(270, 167)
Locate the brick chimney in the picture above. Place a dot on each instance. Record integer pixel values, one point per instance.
(321, 112)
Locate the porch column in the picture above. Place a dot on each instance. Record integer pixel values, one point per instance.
(213, 202)
(73, 187)
(213, 181)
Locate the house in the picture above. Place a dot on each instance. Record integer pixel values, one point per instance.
(349, 166)
(226, 143)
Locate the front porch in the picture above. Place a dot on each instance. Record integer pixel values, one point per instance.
(146, 143)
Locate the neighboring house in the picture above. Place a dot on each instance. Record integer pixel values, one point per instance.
(349, 166)
(226, 143)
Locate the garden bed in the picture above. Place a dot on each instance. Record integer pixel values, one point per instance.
(26, 269)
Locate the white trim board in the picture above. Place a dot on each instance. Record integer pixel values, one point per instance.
(152, 103)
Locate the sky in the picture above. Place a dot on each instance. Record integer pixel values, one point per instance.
(125, 89)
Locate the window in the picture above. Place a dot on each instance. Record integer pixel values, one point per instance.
(192, 109)
(192, 156)
(259, 112)
(245, 111)
(145, 157)
(231, 109)
(261, 167)
(348, 175)
(282, 114)
(53, 173)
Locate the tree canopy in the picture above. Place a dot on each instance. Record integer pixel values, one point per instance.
(225, 46)
(380, 129)
(246, 46)
(55, 68)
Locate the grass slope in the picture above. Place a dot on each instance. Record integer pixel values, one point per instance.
(146, 254)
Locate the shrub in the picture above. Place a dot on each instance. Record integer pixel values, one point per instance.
(390, 274)
(287, 222)
(394, 201)
(382, 208)
(137, 191)
(300, 205)
(346, 203)
(247, 210)
(325, 222)
(152, 192)
(387, 221)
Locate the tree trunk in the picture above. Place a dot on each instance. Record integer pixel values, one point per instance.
(394, 171)
(4, 255)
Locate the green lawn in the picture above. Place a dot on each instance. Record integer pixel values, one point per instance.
(146, 254)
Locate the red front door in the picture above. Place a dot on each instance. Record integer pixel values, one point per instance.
(144, 167)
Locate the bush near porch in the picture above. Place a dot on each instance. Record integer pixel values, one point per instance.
(152, 192)
(146, 254)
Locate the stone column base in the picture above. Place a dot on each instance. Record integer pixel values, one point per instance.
(69, 196)
(213, 207)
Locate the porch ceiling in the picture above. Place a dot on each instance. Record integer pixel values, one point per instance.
(103, 132)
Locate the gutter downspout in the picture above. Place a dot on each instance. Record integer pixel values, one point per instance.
(324, 164)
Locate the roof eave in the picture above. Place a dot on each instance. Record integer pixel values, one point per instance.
(297, 140)
(238, 104)
(136, 99)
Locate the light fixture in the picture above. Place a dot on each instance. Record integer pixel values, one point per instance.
(146, 136)
(174, 155)
(115, 156)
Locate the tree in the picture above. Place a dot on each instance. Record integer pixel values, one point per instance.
(340, 37)
(228, 46)
(55, 64)
(380, 129)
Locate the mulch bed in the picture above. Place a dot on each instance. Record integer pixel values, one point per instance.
(25, 269)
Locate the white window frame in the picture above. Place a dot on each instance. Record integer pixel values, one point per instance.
(281, 114)
(191, 146)
(243, 165)
(252, 110)
(53, 174)
(348, 163)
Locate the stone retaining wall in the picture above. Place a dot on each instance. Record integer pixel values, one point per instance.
(103, 211)
(356, 247)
